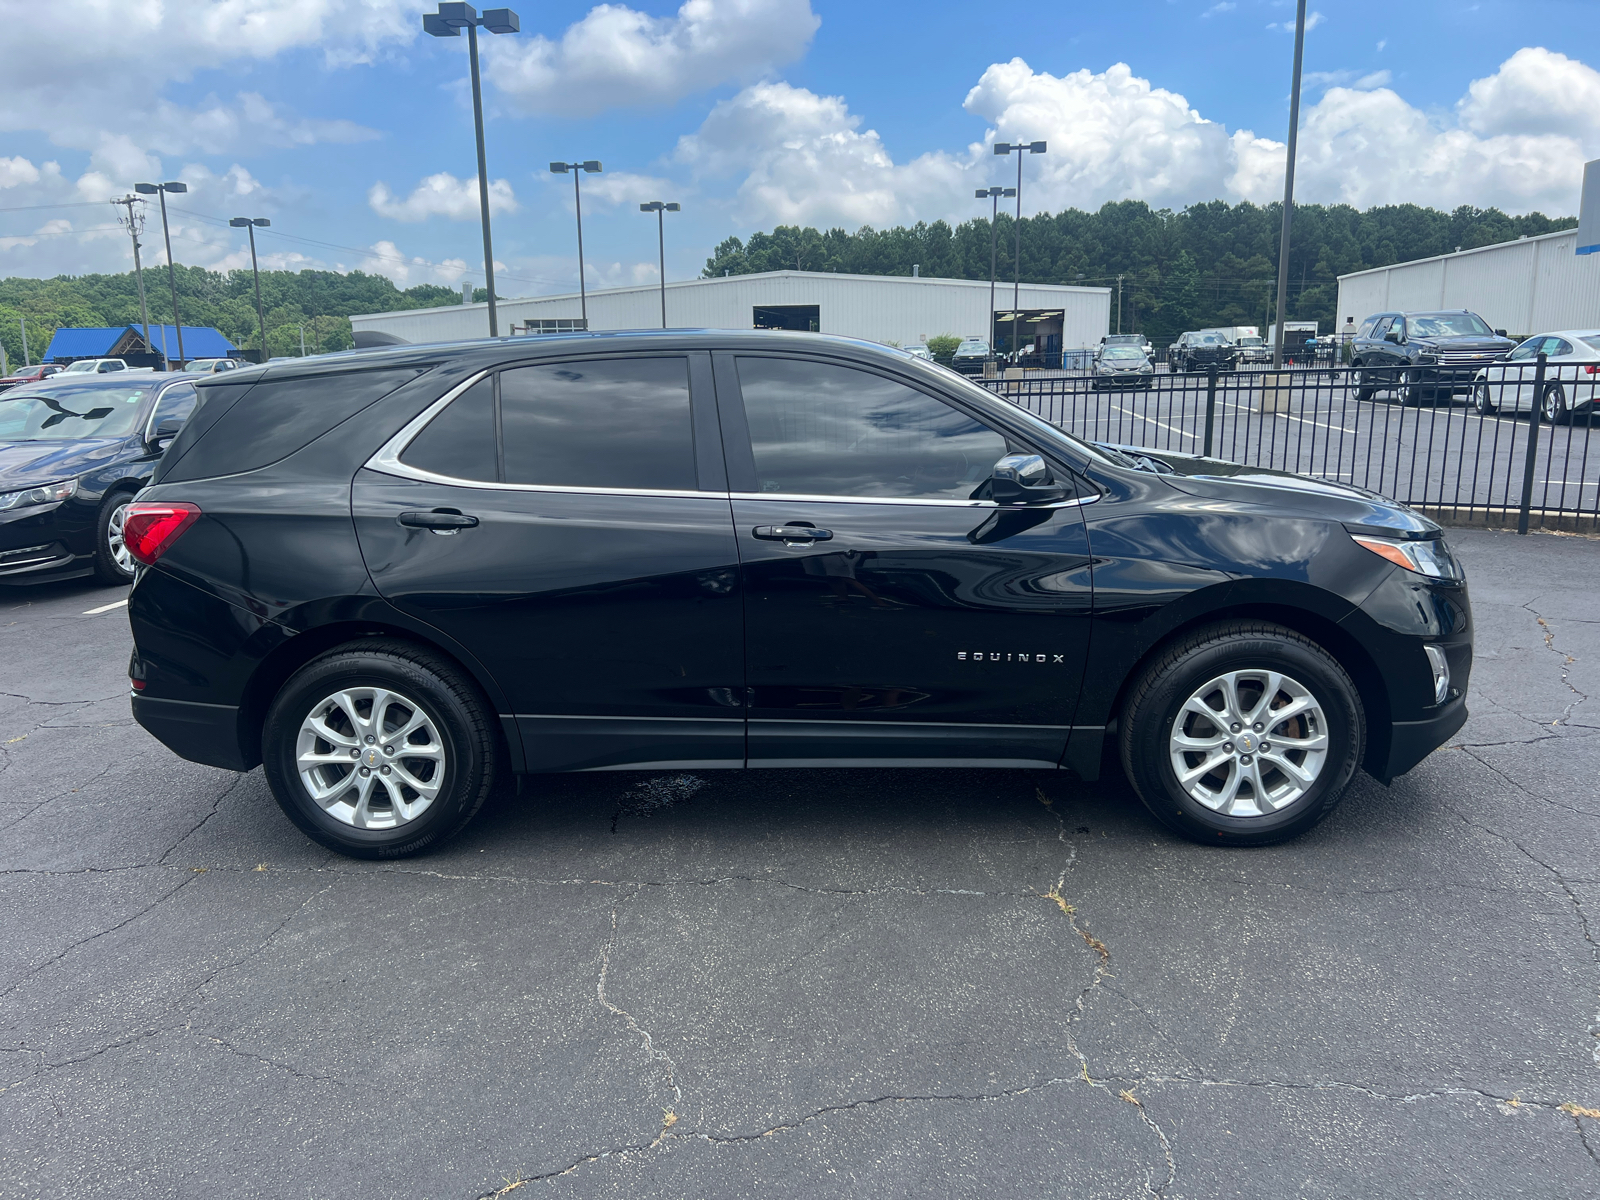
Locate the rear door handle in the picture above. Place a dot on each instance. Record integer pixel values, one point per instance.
(791, 533)
(440, 521)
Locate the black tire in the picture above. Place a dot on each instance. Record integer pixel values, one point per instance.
(1157, 701)
(443, 695)
(107, 539)
(1481, 403)
(1554, 404)
(1359, 380)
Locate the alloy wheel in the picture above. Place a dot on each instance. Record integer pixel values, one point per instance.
(1554, 404)
(1249, 743)
(370, 757)
(116, 542)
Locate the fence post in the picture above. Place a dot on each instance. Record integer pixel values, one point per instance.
(1211, 405)
(1534, 413)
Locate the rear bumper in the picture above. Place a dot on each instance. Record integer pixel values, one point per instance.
(202, 733)
(1412, 741)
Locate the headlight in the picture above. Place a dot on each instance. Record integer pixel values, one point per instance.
(1431, 558)
(48, 494)
(1147, 367)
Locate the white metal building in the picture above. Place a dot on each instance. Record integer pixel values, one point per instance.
(879, 308)
(1527, 286)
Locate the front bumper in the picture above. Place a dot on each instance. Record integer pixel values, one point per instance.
(1412, 741)
(46, 542)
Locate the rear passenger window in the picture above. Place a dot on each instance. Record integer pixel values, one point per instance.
(276, 418)
(614, 423)
(459, 442)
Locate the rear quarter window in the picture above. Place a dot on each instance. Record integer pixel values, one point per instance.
(243, 427)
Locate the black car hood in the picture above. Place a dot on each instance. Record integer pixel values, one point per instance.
(29, 464)
(1285, 493)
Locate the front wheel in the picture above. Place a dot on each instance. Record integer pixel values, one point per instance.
(1361, 381)
(1482, 402)
(379, 749)
(112, 562)
(1554, 404)
(1242, 734)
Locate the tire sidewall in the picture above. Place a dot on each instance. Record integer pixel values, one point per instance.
(465, 759)
(1149, 761)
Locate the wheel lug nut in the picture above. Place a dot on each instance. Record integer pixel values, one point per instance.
(365, 772)
(1235, 727)
(1258, 727)
(1245, 760)
(354, 752)
(385, 770)
(1265, 746)
(388, 749)
(1228, 746)
(370, 739)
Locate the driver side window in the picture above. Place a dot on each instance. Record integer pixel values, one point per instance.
(822, 430)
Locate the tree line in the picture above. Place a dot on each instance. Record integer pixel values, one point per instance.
(1206, 265)
(317, 304)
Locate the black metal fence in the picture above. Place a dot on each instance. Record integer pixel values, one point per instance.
(1504, 444)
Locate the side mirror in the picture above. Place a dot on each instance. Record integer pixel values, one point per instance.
(1024, 479)
(1500, 333)
(168, 429)
(1392, 336)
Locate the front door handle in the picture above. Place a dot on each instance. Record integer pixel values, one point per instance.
(439, 520)
(791, 533)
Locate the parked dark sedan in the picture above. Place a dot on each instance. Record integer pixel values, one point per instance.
(1423, 356)
(392, 576)
(73, 451)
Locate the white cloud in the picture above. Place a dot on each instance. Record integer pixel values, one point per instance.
(616, 56)
(1312, 21)
(441, 195)
(1518, 143)
(612, 188)
(1223, 6)
(385, 258)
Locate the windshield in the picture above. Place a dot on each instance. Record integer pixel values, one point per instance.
(1130, 353)
(1250, 341)
(1124, 339)
(973, 347)
(64, 411)
(1209, 339)
(1458, 324)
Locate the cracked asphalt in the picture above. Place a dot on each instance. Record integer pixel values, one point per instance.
(812, 984)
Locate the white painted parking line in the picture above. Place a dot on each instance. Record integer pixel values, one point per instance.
(1153, 421)
(94, 612)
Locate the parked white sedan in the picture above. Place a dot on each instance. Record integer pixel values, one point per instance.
(1571, 376)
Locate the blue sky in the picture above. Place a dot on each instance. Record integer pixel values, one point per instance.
(352, 131)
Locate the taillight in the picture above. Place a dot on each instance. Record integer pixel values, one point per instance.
(149, 529)
(1592, 369)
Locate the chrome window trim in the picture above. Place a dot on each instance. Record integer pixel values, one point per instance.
(795, 497)
(150, 421)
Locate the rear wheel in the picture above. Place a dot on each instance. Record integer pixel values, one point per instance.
(1482, 402)
(1242, 734)
(379, 749)
(1362, 382)
(112, 562)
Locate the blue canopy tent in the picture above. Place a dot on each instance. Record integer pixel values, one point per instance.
(127, 341)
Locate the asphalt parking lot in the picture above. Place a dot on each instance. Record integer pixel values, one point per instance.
(831, 983)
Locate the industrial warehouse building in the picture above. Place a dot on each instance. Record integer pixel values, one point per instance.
(1531, 285)
(882, 308)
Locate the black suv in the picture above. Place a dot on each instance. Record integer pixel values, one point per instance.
(394, 575)
(1423, 355)
(1199, 351)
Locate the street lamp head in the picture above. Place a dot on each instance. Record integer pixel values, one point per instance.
(501, 20)
(239, 222)
(653, 206)
(146, 189)
(559, 168)
(1008, 191)
(262, 221)
(175, 187)
(458, 15)
(674, 207)
(981, 194)
(1036, 147)
(592, 166)
(436, 25)
(1002, 147)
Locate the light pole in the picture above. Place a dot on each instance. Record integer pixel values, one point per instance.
(1016, 285)
(250, 223)
(161, 189)
(26, 361)
(449, 21)
(135, 222)
(1288, 186)
(659, 208)
(993, 194)
(593, 167)
(1119, 303)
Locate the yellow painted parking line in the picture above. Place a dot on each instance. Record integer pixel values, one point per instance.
(94, 612)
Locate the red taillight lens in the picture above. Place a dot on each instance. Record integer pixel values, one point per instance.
(1592, 369)
(149, 529)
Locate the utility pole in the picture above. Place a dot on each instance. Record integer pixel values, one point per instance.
(1288, 186)
(1119, 303)
(134, 224)
(302, 341)
(26, 361)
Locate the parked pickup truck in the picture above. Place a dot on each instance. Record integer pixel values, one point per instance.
(1200, 350)
(100, 366)
(1423, 355)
